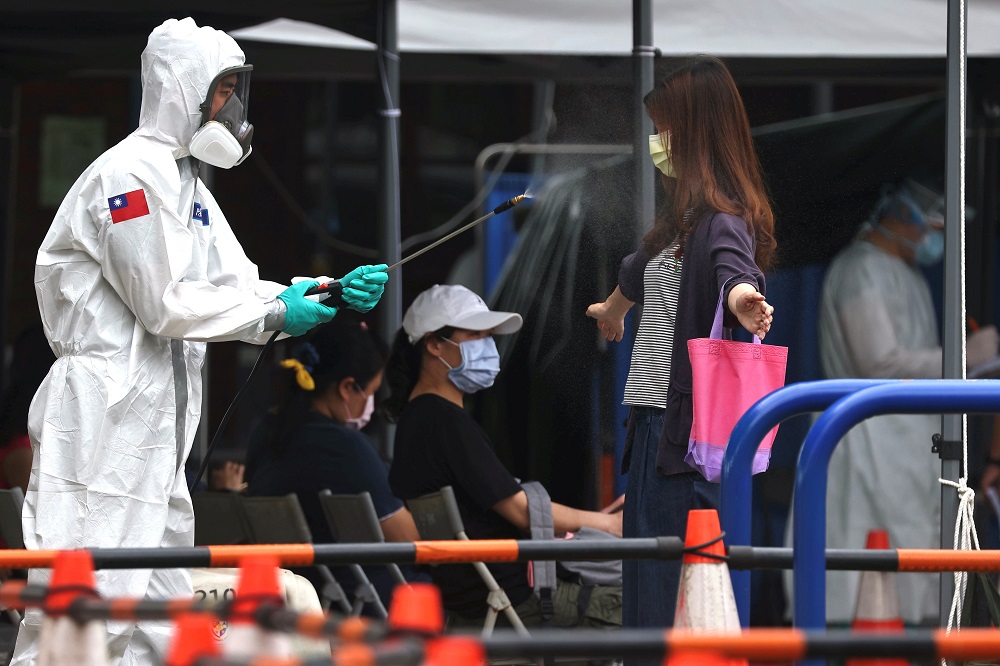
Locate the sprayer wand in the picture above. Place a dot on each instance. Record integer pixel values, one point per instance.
(335, 288)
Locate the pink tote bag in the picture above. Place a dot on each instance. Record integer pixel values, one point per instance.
(727, 378)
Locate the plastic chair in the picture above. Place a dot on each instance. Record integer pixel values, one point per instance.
(438, 519)
(219, 519)
(11, 502)
(280, 520)
(352, 519)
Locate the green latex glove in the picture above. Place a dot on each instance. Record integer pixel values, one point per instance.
(301, 314)
(363, 287)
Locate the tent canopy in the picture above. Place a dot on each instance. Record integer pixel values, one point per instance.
(735, 28)
(58, 37)
(54, 37)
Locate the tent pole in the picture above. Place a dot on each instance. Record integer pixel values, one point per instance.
(643, 54)
(10, 100)
(953, 425)
(390, 308)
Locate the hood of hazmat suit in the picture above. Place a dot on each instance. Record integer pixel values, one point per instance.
(137, 271)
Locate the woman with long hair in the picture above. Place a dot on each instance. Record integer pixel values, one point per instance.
(708, 248)
(312, 441)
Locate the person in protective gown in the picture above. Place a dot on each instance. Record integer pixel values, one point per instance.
(139, 270)
(877, 321)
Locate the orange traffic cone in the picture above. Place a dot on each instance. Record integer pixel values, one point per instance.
(877, 608)
(705, 600)
(693, 658)
(258, 585)
(416, 609)
(63, 641)
(455, 651)
(194, 638)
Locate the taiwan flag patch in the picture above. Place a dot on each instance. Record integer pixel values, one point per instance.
(127, 206)
(200, 214)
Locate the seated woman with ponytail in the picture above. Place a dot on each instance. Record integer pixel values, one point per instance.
(313, 442)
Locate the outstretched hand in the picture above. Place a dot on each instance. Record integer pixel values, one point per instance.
(611, 325)
(363, 287)
(610, 315)
(751, 309)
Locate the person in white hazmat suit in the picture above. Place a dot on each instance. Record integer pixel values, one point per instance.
(877, 321)
(137, 272)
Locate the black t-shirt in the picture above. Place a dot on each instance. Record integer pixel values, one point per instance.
(323, 454)
(438, 444)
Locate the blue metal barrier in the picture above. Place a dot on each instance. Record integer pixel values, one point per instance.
(936, 396)
(736, 501)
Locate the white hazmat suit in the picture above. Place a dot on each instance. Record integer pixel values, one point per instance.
(128, 297)
(877, 321)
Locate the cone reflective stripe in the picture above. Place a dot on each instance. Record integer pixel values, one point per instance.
(877, 608)
(62, 640)
(705, 600)
(194, 639)
(258, 585)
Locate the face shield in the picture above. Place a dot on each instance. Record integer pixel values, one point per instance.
(223, 140)
(917, 204)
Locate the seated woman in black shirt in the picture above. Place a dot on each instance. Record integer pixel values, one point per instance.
(313, 442)
(444, 351)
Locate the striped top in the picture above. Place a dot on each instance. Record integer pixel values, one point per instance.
(649, 371)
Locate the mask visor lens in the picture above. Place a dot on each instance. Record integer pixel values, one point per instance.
(233, 82)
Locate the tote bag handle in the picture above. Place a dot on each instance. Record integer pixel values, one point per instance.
(718, 332)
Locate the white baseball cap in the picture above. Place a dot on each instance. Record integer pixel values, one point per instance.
(454, 305)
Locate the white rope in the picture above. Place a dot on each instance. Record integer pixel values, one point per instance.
(965, 537)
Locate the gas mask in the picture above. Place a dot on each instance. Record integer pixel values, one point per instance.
(661, 154)
(224, 141)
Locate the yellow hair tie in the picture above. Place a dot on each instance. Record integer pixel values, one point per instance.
(302, 376)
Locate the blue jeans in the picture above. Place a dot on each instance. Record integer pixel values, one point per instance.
(656, 505)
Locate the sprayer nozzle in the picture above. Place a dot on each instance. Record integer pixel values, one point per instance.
(510, 203)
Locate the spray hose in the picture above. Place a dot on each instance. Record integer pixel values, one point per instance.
(335, 290)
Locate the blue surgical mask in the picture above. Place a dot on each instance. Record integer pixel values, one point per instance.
(927, 251)
(930, 249)
(479, 367)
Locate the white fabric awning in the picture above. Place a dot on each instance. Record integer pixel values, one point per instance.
(734, 28)
(300, 33)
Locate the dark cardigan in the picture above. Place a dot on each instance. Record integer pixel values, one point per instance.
(718, 255)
